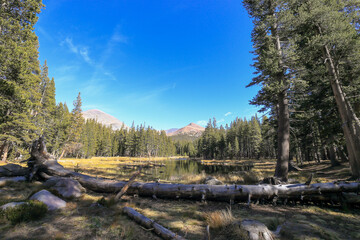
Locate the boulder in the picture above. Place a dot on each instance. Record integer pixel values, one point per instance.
(246, 229)
(212, 181)
(11, 170)
(11, 205)
(256, 230)
(4, 180)
(66, 187)
(51, 201)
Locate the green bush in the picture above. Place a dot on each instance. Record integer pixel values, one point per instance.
(33, 210)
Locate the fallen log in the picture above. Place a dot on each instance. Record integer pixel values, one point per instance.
(151, 224)
(127, 185)
(42, 164)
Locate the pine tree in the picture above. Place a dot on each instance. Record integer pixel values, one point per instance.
(19, 73)
(73, 141)
(45, 117)
(327, 33)
(270, 64)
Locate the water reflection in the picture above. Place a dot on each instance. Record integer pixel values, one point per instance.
(172, 168)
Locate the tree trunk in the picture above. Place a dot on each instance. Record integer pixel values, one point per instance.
(281, 170)
(351, 124)
(62, 154)
(333, 157)
(342, 154)
(151, 224)
(5, 150)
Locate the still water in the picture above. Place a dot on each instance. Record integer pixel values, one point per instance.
(176, 168)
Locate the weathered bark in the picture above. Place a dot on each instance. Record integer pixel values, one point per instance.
(333, 157)
(42, 163)
(351, 124)
(150, 224)
(62, 154)
(282, 164)
(342, 154)
(5, 150)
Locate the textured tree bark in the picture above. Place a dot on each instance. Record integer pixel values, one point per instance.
(281, 170)
(351, 124)
(150, 224)
(5, 150)
(43, 164)
(333, 157)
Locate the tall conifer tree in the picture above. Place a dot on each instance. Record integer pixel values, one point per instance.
(19, 73)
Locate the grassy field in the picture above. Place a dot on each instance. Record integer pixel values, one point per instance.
(85, 219)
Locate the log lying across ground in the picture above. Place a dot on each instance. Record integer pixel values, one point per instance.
(43, 165)
(150, 224)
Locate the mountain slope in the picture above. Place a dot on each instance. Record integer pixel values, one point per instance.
(104, 118)
(191, 130)
(171, 130)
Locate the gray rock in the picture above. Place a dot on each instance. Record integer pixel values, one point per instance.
(11, 205)
(256, 230)
(10, 170)
(4, 180)
(248, 229)
(212, 181)
(51, 201)
(66, 187)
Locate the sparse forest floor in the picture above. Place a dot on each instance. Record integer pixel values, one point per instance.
(85, 219)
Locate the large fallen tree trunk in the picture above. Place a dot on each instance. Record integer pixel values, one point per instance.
(43, 165)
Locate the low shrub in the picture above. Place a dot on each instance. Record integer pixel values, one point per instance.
(32, 210)
(252, 177)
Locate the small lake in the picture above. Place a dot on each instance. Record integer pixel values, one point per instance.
(176, 168)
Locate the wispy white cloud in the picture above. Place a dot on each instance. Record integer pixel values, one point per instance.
(82, 51)
(221, 120)
(85, 54)
(70, 45)
(96, 86)
(227, 114)
(202, 123)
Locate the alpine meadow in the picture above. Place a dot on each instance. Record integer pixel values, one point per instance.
(133, 158)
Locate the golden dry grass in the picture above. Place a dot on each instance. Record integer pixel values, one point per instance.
(82, 220)
(219, 219)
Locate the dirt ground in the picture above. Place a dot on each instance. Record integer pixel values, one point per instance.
(85, 219)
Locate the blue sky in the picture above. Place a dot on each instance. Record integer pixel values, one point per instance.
(166, 63)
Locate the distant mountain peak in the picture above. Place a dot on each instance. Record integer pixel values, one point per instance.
(195, 125)
(191, 129)
(104, 118)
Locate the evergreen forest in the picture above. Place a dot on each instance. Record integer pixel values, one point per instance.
(307, 64)
(291, 171)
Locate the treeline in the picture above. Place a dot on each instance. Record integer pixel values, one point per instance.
(307, 63)
(100, 140)
(243, 139)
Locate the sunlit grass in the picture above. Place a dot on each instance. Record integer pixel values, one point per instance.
(219, 219)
